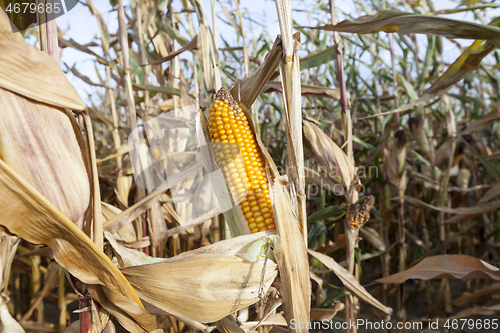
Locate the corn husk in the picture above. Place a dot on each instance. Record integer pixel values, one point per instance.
(207, 284)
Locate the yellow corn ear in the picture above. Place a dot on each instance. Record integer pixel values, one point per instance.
(238, 156)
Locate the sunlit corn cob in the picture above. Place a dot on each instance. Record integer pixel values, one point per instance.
(237, 155)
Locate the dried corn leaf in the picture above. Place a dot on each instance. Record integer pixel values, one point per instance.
(478, 209)
(39, 142)
(482, 122)
(446, 266)
(192, 45)
(28, 215)
(32, 73)
(409, 23)
(291, 256)
(350, 282)
(247, 90)
(306, 90)
(206, 284)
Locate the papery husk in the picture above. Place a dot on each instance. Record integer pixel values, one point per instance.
(291, 256)
(206, 284)
(28, 215)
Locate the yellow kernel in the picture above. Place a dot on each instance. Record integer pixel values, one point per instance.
(259, 219)
(255, 208)
(261, 225)
(248, 215)
(252, 226)
(267, 221)
(264, 209)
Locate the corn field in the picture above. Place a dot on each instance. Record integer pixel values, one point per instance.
(207, 172)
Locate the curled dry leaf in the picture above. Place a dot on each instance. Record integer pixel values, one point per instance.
(446, 266)
(206, 284)
(350, 282)
(247, 90)
(329, 156)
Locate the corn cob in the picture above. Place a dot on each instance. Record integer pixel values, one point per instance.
(237, 155)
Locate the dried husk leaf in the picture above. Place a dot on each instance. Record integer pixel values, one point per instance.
(206, 284)
(28, 215)
(291, 256)
(32, 73)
